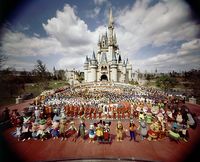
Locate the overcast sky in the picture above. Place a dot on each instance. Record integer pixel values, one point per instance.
(151, 33)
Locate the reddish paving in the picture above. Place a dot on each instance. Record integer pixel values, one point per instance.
(161, 150)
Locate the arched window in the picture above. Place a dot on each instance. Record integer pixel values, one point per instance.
(104, 68)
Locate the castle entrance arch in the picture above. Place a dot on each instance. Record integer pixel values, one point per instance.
(104, 77)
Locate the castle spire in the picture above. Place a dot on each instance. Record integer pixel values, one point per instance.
(110, 21)
(119, 59)
(86, 60)
(127, 62)
(93, 56)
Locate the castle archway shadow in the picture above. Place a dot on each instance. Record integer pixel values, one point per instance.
(104, 78)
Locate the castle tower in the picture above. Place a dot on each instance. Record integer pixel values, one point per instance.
(93, 66)
(107, 63)
(129, 69)
(110, 35)
(86, 64)
(124, 71)
(114, 68)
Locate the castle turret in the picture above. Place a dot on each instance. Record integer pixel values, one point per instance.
(114, 68)
(93, 68)
(129, 69)
(124, 71)
(86, 64)
(110, 27)
(93, 59)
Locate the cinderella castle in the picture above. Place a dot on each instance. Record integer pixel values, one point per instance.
(107, 64)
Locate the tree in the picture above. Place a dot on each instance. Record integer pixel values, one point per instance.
(10, 84)
(149, 77)
(166, 82)
(41, 70)
(42, 74)
(80, 77)
(61, 75)
(3, 58)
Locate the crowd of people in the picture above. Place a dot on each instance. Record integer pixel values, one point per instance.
(151, 113)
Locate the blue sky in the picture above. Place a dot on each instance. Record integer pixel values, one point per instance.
(151, 33)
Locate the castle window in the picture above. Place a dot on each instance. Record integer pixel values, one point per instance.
(104, 68)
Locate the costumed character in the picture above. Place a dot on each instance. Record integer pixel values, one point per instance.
(99, 131)
(184, 133)
(34, 130)
(92, 132)
(71, 131)
(15, 118)
(190, 120)
(153, 132)
(119, 131)
(141, 116)
(143, 129)
(26, 134)
(169, 115)
(42, 132)
(82, 129)
(174, 132)
(155, 110)
(18, 131)
(37, 113)
(179, 117)
(106, 132)
(149, 117)
(132, 130)
(62, 128)
(55, 129)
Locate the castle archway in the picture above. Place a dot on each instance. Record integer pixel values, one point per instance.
(104, 77)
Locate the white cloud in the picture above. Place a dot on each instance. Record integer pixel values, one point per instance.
(93, 13)
(19, 44)
(70, 63)
(184, 58)
(19, 64)
(190, 47)
(68, 29)
(158, 25)
(67, 35)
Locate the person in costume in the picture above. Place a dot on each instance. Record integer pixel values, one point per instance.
(18, 131)
(119, 131)
(34, 130)
(92, 132)
(82, 129)
(42, 132)
(99, 131)
(26, 134)
(154, 131)
(143, 129)
(106, 132)
(55, 129)
(71, 131)
(62, 128)
(132, 130)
